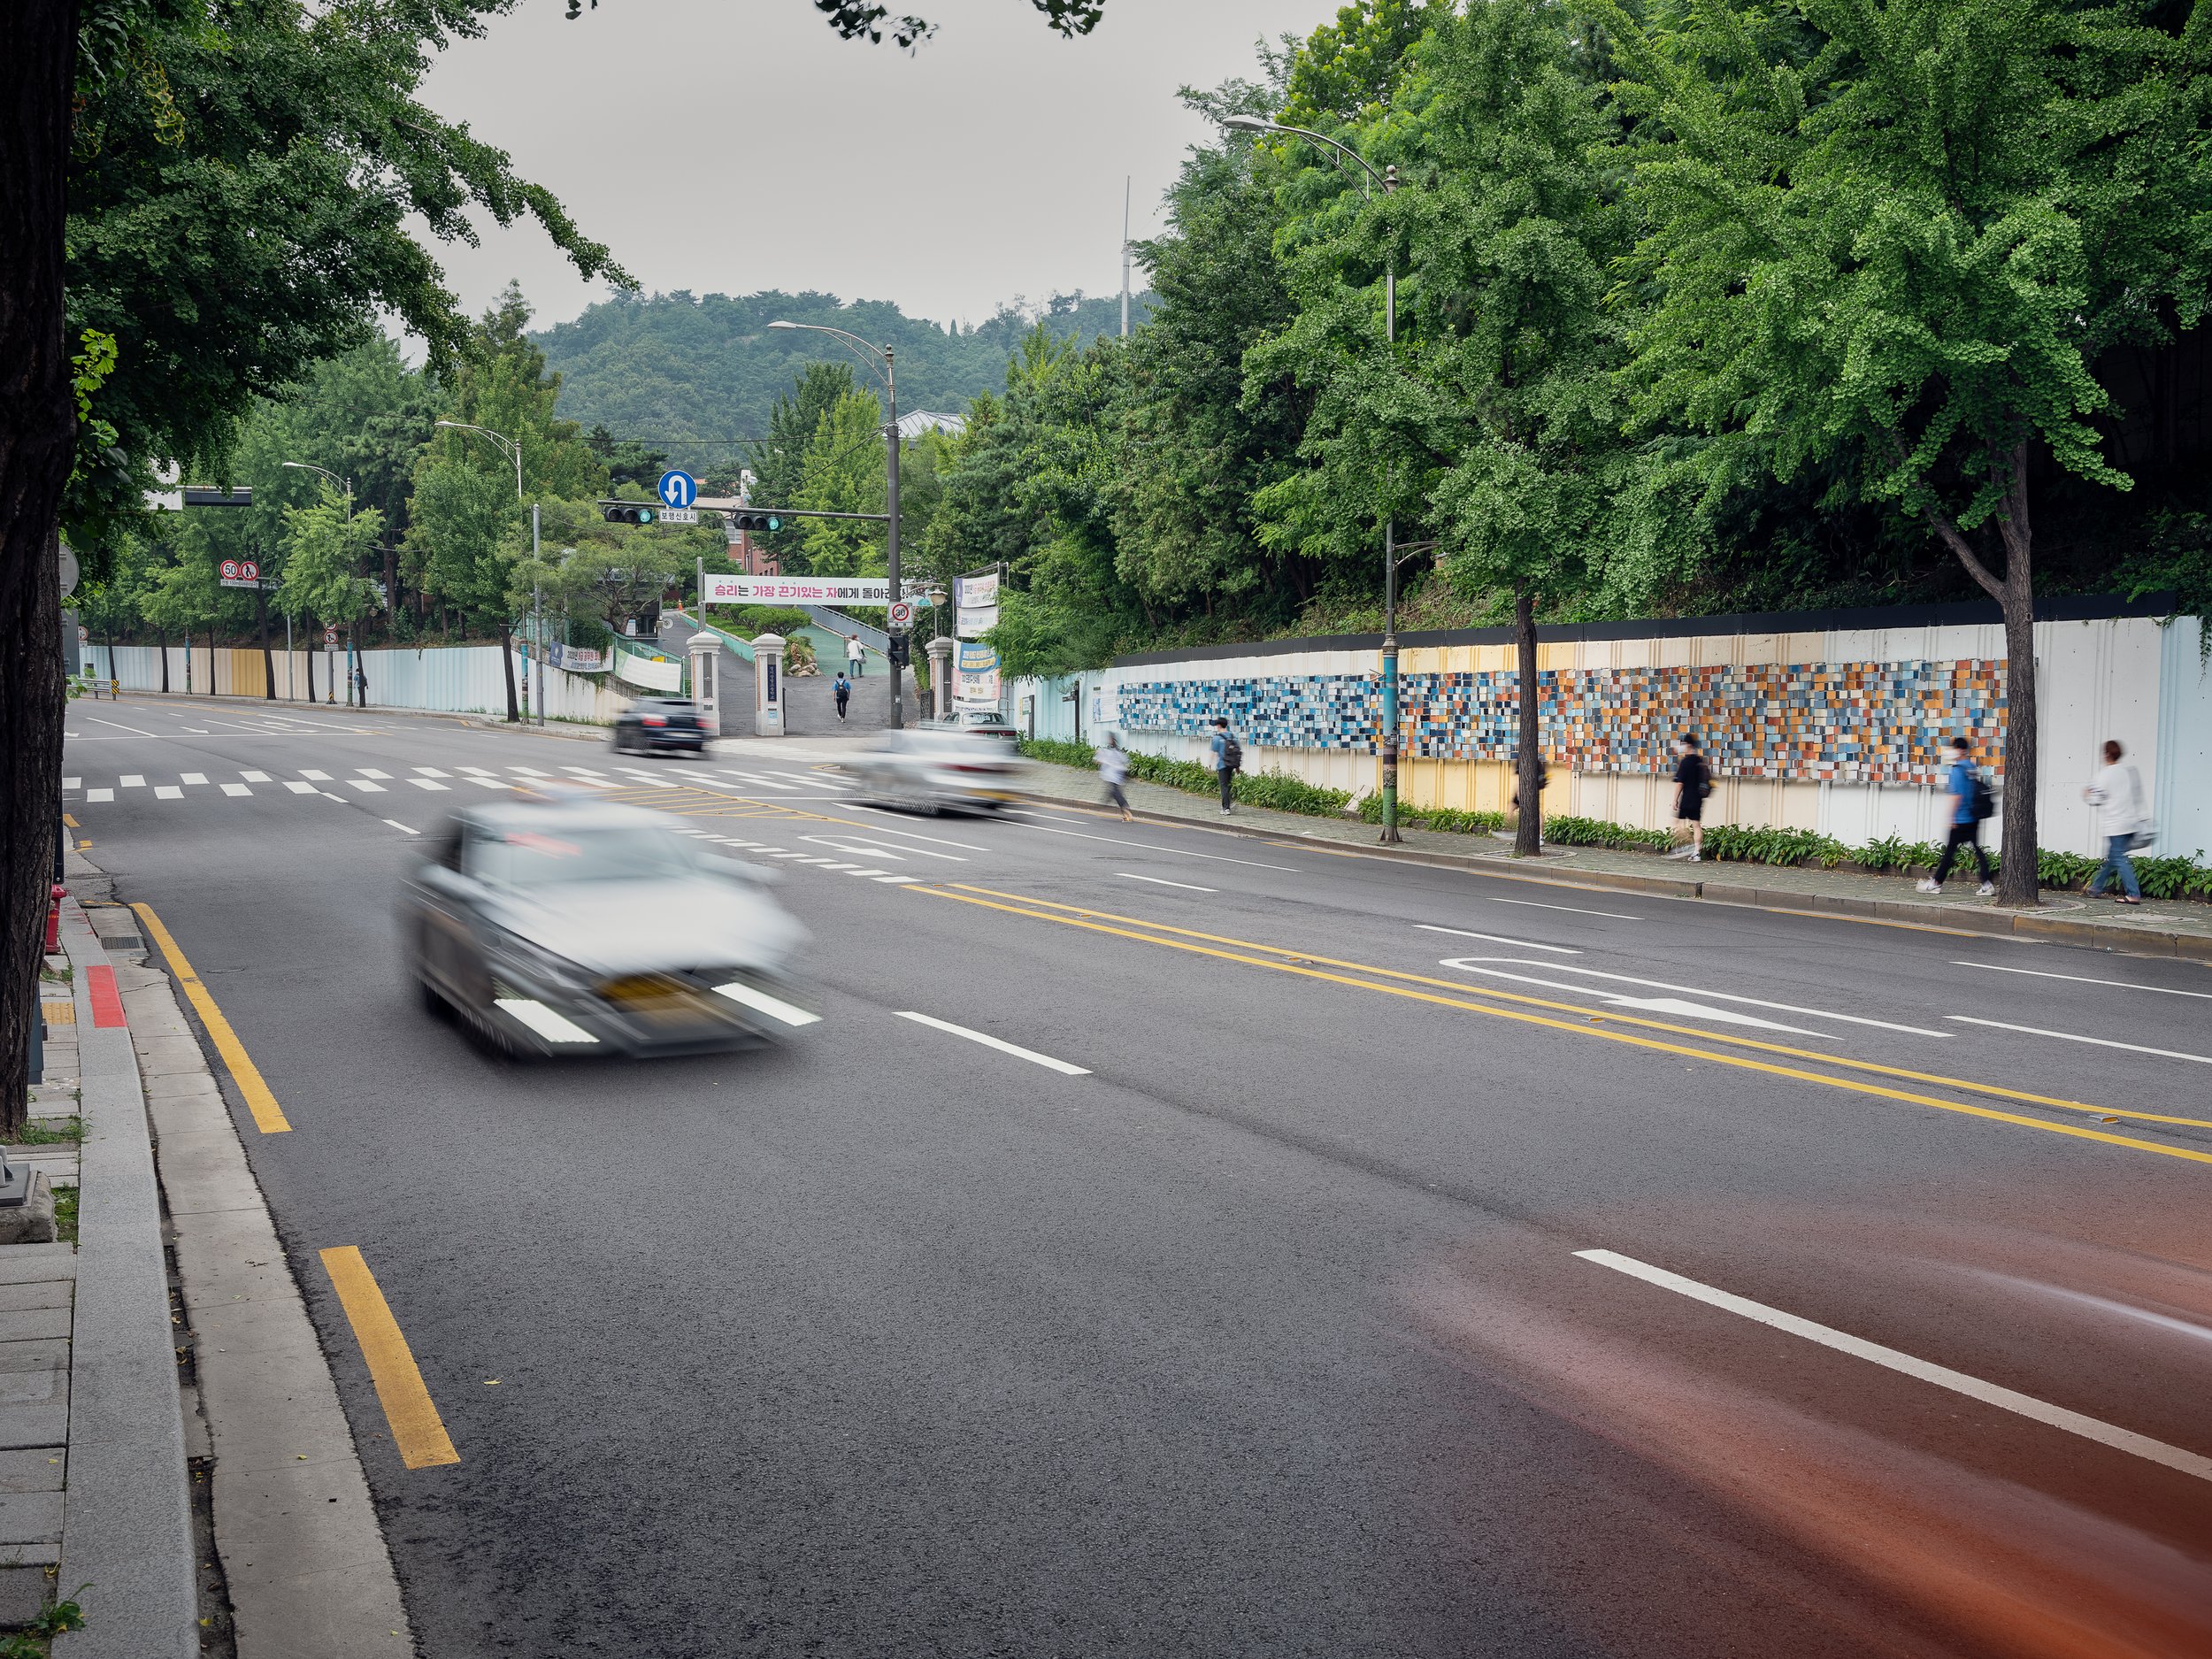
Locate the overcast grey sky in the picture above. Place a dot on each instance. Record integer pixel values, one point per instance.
(725, 146)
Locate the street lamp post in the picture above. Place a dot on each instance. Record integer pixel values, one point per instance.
(330, 692)
(1388, 180)
(888, 376)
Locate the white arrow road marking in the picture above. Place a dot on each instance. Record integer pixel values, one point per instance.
(1723, 996)
(1618, 998)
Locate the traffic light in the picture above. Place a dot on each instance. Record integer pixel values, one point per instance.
(755, 521)
(627, 512)
(901, 651)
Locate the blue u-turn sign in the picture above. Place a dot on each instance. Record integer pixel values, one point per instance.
(679, 489)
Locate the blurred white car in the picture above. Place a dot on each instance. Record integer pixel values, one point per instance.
(556, 926)
(934, 770)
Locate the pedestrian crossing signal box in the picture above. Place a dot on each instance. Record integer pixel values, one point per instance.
(627, 512)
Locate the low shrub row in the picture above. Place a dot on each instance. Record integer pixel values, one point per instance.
(1595, 831)
(1447, 818)
(1276, 789)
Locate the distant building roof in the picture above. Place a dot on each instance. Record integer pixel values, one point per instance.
(923, 419)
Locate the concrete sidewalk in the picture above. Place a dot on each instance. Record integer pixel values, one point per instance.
(2179, 928)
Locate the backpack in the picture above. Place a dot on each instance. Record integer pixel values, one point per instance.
(1981, 800)
(1231, 753)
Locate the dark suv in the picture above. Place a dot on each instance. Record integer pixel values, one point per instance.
(652, 723)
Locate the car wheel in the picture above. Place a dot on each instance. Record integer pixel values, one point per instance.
(433, 1003)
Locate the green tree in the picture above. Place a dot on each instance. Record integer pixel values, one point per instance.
(1899, 235)
(843, 471)
(326, 553)
(779, 462)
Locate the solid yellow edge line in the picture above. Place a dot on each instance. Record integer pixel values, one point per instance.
(1967, 1084)
(1738, 1060)
(268, 1117)
(418, 1431)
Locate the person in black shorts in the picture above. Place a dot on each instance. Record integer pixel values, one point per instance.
(1693, 782)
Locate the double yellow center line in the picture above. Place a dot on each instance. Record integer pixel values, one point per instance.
(1600, 1023)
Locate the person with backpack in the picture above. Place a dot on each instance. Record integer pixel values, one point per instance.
(1113, 770)
(1228, 761)
(1971, 802)
(2117, 794)
(843, 689)
(1693, 782)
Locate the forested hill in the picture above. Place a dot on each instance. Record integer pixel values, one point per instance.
(677, 366)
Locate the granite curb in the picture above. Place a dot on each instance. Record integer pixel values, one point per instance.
(127, 1521)
(1971, 918)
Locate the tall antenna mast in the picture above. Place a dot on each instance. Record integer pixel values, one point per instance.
(1125, 255)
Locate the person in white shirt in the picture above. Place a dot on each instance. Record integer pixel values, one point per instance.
(2117, 794)
(1113, 770)
(856, 654)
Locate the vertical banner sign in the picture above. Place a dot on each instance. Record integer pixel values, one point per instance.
(975, 679)
(978, 610)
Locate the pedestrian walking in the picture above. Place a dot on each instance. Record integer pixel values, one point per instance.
(843, 687)
(1113, 769)
(1228, 760)
(1968, 802)
(856, 654)
(2117, 794)
(1692, 783)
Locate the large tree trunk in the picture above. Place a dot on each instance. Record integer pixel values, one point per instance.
(38, 43)
(1528, 834)
(312, 631)
(507, 658)
(161, 644)
(2018, 881)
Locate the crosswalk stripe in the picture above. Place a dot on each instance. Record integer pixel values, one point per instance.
(527, 771)
(371, 772)
(871, 872)
(297, 787)
(72, 783)
(167, 792)
(254, 777)
(99, 794)
(315, 777)
(193, 777)
(492, 783)
(236, 788)
(432, 771)
(366, 787)
(426, 783)
(894, 879)
(132, 780)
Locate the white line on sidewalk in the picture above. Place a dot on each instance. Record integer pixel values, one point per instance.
(1534, 905)
(1000, 1043)
(1942, 1376)
(1499, 938)
(396, 824)
(2067, 1036)
(1159, 881)
(2080, 979)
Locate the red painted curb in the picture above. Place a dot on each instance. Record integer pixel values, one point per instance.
(107, 1002)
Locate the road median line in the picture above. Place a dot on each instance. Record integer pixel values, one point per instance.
(268, 1117)
(1296, 963)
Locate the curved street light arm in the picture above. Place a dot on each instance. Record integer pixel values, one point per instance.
(511, 448)
(1249, 124)
(869, 355)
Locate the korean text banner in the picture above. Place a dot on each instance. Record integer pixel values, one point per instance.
(978, 591)
(813, 590)
(976, 678)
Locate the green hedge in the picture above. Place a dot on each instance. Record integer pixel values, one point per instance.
(1449, 819)
(1276, 789)
(1595, 831)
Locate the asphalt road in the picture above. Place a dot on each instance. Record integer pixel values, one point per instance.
(1267, 1333)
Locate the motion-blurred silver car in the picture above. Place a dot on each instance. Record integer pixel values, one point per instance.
(936, 770)
(556, 926)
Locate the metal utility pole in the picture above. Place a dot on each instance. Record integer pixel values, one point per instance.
(1127, 179)
(537, 614)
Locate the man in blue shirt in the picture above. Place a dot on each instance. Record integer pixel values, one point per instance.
(1227, 755)
(1962, 787)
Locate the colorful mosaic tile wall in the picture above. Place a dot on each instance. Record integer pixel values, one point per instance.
(1847, 722)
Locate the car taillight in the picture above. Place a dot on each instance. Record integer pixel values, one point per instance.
(653, 720)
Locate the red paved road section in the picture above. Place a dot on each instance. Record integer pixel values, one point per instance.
(107, 1002)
